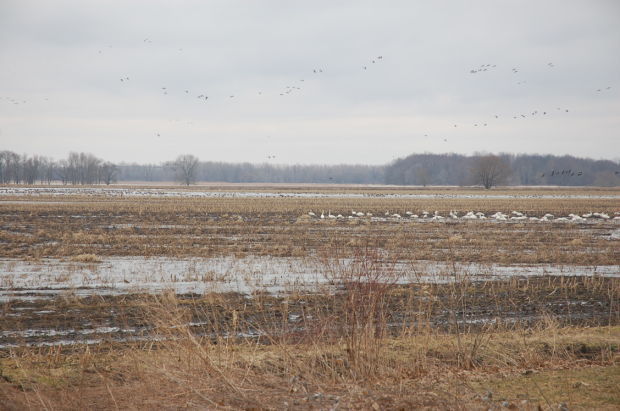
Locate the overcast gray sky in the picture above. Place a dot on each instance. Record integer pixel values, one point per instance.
(61, 65)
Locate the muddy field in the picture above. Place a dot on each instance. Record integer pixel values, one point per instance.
(323, 297)
(74, 259)
(69, 319)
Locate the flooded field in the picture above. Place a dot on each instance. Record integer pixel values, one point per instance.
(319, 282)
(46, 279)
(58, 302)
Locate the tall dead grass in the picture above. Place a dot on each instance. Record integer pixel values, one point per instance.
(365, 341)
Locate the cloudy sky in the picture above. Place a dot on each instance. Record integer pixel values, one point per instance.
(124, 79)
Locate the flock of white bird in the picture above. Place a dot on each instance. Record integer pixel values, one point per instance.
(454, 215)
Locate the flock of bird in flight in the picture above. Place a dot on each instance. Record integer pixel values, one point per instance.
(318, 71)
(570, 173)
(295, 87)
(515, 116)
(289, 89)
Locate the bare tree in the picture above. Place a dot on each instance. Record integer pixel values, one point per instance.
(31, 168)
(108, 172)
(48, 169)
(186, 167)
(490, 170)
(10, 165)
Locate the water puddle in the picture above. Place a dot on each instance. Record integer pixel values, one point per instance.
(47, 278)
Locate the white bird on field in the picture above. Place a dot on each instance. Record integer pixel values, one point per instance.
(311, 214)
(322, 214)
(470, 216)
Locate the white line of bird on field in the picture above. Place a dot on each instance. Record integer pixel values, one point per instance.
(470, 215)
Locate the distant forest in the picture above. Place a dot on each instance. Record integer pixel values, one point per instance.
(416, 169)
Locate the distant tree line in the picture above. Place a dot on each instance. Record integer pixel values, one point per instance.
(210, 171)
(416, 169)
(511, 169)
(77, 168)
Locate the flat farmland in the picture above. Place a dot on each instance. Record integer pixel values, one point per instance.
(250, 223)
(326, 291)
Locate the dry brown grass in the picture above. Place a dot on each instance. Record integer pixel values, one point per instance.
(372, 344)
(423, 370)
(365, 342)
